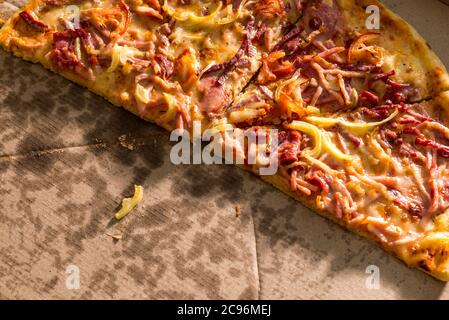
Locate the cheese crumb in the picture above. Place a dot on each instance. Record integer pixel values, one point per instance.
(128, 204)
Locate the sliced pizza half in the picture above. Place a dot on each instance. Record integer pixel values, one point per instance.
(361, 139)
(169, 62)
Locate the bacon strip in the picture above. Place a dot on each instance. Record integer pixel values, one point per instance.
(270, 9)
(237, 60)
(383, 76)
(369, 96)
(167, 66)
(29, 19)
(298, 184)
(63, 56)
(293, 33)
(267, 92)
(399, 92)
(316, 96)
(149, 12)
(317, 178)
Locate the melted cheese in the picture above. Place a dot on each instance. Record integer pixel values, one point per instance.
(142, 94)
(321, 140)
(218, 16)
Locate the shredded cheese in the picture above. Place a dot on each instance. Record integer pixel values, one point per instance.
(180, 35)
(285, 83)
(244, 115)
(382, 155)
(322, 165)
(230, 16)
(221, 125)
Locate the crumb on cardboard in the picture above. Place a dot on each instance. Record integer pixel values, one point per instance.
(115, 236)
(126, 143)
(237, 211)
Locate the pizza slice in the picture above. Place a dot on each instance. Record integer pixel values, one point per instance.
(381, 172)
(359, 141)
(331, 62)
(169, 62)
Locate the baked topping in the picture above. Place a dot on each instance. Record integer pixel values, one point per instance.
(351, 139)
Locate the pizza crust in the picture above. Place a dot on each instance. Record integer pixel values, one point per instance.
(442, 101)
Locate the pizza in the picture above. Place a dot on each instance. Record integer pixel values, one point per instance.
(361, 115)
(169, 62)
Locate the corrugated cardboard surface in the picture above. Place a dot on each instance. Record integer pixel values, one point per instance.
(67, 158)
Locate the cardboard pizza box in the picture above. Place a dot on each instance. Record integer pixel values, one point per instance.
(67, 159)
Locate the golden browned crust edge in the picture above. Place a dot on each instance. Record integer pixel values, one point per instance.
(442, 101)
